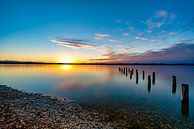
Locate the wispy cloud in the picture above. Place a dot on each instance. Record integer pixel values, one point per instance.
(159, 19)
(146, 39)
(97, 38)
(149, 31)
(125, 34)
(112, 56)
(185, 41)
(112, 40)
(102, 35)
(73, 43)
(161, 13)
(172, 33)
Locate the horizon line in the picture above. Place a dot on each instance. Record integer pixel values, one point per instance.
(94, 63)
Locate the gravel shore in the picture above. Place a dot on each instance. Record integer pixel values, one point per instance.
(23, 110)
(31, 110)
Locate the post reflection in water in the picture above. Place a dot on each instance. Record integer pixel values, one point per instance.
(185, 88)
(185, 108)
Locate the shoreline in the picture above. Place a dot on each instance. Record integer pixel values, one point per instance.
(19, 109)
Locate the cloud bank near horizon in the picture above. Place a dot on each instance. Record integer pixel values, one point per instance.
(178, 53)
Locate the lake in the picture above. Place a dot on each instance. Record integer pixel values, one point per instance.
(106, 91)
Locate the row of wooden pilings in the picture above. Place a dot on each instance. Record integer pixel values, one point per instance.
(185, 87)
(130, 72)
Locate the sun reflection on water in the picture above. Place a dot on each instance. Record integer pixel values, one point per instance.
(66, 67)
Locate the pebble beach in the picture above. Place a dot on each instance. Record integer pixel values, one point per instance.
(32, 110)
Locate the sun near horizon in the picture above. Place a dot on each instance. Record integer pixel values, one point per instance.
(66, 59)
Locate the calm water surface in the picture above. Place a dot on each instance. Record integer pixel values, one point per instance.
(106, 90)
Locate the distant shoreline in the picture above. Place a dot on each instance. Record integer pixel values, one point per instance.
(46, 63)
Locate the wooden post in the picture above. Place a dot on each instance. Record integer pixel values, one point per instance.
(149, 83)
(137, 76)
(131, 74)
(143, 75)
(132, 71)
(153, 78)
(185, 93)
(129, 69)
(185, 100)
(173, 84)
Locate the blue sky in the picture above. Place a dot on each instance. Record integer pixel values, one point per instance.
(97, 30)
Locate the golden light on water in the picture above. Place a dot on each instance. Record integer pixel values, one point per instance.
(66, 67)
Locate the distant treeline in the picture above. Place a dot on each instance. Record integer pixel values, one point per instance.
(30, 62)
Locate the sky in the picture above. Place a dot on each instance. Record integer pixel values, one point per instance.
(148, 31)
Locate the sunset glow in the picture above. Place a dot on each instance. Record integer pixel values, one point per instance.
(128, 32)
(66, 60)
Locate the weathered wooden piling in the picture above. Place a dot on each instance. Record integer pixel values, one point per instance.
(153, 78)
(129, 70)
(173, 84)
(185, 93)
(137, 76)
(124, 71)
(131, 74)
(185, 100)
(143, 75)
(149, 83)
(132, 70)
